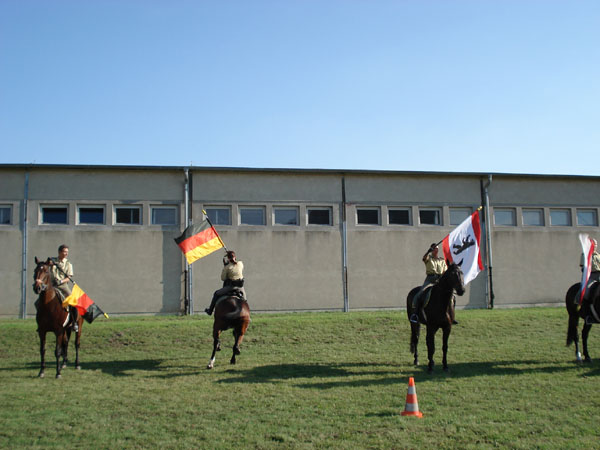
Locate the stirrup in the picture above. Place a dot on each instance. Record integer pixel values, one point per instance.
(414, 318)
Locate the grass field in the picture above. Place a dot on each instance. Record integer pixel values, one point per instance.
(310, 380)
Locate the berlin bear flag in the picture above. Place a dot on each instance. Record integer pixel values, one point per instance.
(461, 247)
(589, 247)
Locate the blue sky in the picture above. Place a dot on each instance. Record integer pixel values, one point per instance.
(470, 86)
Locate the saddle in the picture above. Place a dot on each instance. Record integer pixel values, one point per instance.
(234, 293)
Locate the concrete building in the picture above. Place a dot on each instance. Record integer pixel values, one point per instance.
(310, 239)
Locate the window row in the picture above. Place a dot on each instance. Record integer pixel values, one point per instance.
(539, 217)
(168, 215)
(556, 217)
(280, 215)
(101, 215)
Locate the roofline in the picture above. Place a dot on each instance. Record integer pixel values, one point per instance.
(288, 170)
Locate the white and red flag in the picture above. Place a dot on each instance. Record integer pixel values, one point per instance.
(461, 247)
(589, 247)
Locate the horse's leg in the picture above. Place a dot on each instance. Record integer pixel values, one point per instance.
(216, 343)
(446, 330)
(572, 332)
(42, 335)
(77, 342)
(236, 347)
(58, 351)
(584, 338)
(431, 330)
(65, 348)
(415, 329)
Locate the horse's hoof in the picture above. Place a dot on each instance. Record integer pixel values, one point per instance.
(63, 366)
(210, 366)
(416, 363)
(41, 375)
(232, 361)
(78, 367)
(58, 376)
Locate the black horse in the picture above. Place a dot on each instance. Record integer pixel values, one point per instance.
(437, 313)
(589, 312)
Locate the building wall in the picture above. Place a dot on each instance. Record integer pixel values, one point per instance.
(137, 268)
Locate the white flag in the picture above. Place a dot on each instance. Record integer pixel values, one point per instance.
(461, 247)
(589, 247)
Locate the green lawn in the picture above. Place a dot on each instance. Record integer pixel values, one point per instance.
(310, 380)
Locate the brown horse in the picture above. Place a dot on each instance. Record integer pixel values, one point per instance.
(230, 312)
(52, 317)
(437, 313)
(590, 308)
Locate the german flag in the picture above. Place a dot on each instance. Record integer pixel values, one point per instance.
(197, 241)
(85, 305)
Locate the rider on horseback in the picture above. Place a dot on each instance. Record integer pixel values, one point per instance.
(233, 279)
(62, 271)
(435, 266)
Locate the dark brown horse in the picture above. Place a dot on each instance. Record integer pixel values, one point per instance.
(52, 317)
(437, 313)
(590, 310)
(230, 312)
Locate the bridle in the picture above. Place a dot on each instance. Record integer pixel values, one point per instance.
(48, 278)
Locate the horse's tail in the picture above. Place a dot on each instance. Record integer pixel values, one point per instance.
(573, 313)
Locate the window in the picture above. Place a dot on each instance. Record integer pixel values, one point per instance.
(5, 215)
(54, 214)
(319, 216)
(459, 215)
(430, 216)
(399, 216)
(587, 218)
(219, 215)
(533, 217)
(252, 215)
(91, 215)
(367, 216)
(560, 217)
(505, 217)
(285, 216)
(128, 215)
(163, 215)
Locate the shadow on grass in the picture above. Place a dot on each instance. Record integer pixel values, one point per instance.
(348, 375)
(116, 368)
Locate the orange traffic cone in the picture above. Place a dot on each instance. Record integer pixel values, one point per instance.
(412, 406)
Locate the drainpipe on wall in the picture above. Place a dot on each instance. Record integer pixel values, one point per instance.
(344, 249)
(488, 244)
(24, 252)
(189, 306)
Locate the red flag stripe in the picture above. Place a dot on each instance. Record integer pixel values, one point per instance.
(197, 240)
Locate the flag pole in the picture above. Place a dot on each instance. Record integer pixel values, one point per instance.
(213, 227)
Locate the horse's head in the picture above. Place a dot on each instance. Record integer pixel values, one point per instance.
(455, 279)
(42, 275)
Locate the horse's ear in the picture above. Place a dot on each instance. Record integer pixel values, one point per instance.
(460, 263)
(49, 261)
(37, 261)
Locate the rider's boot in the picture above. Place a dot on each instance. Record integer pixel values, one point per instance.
(210, 309)
(74, 319)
